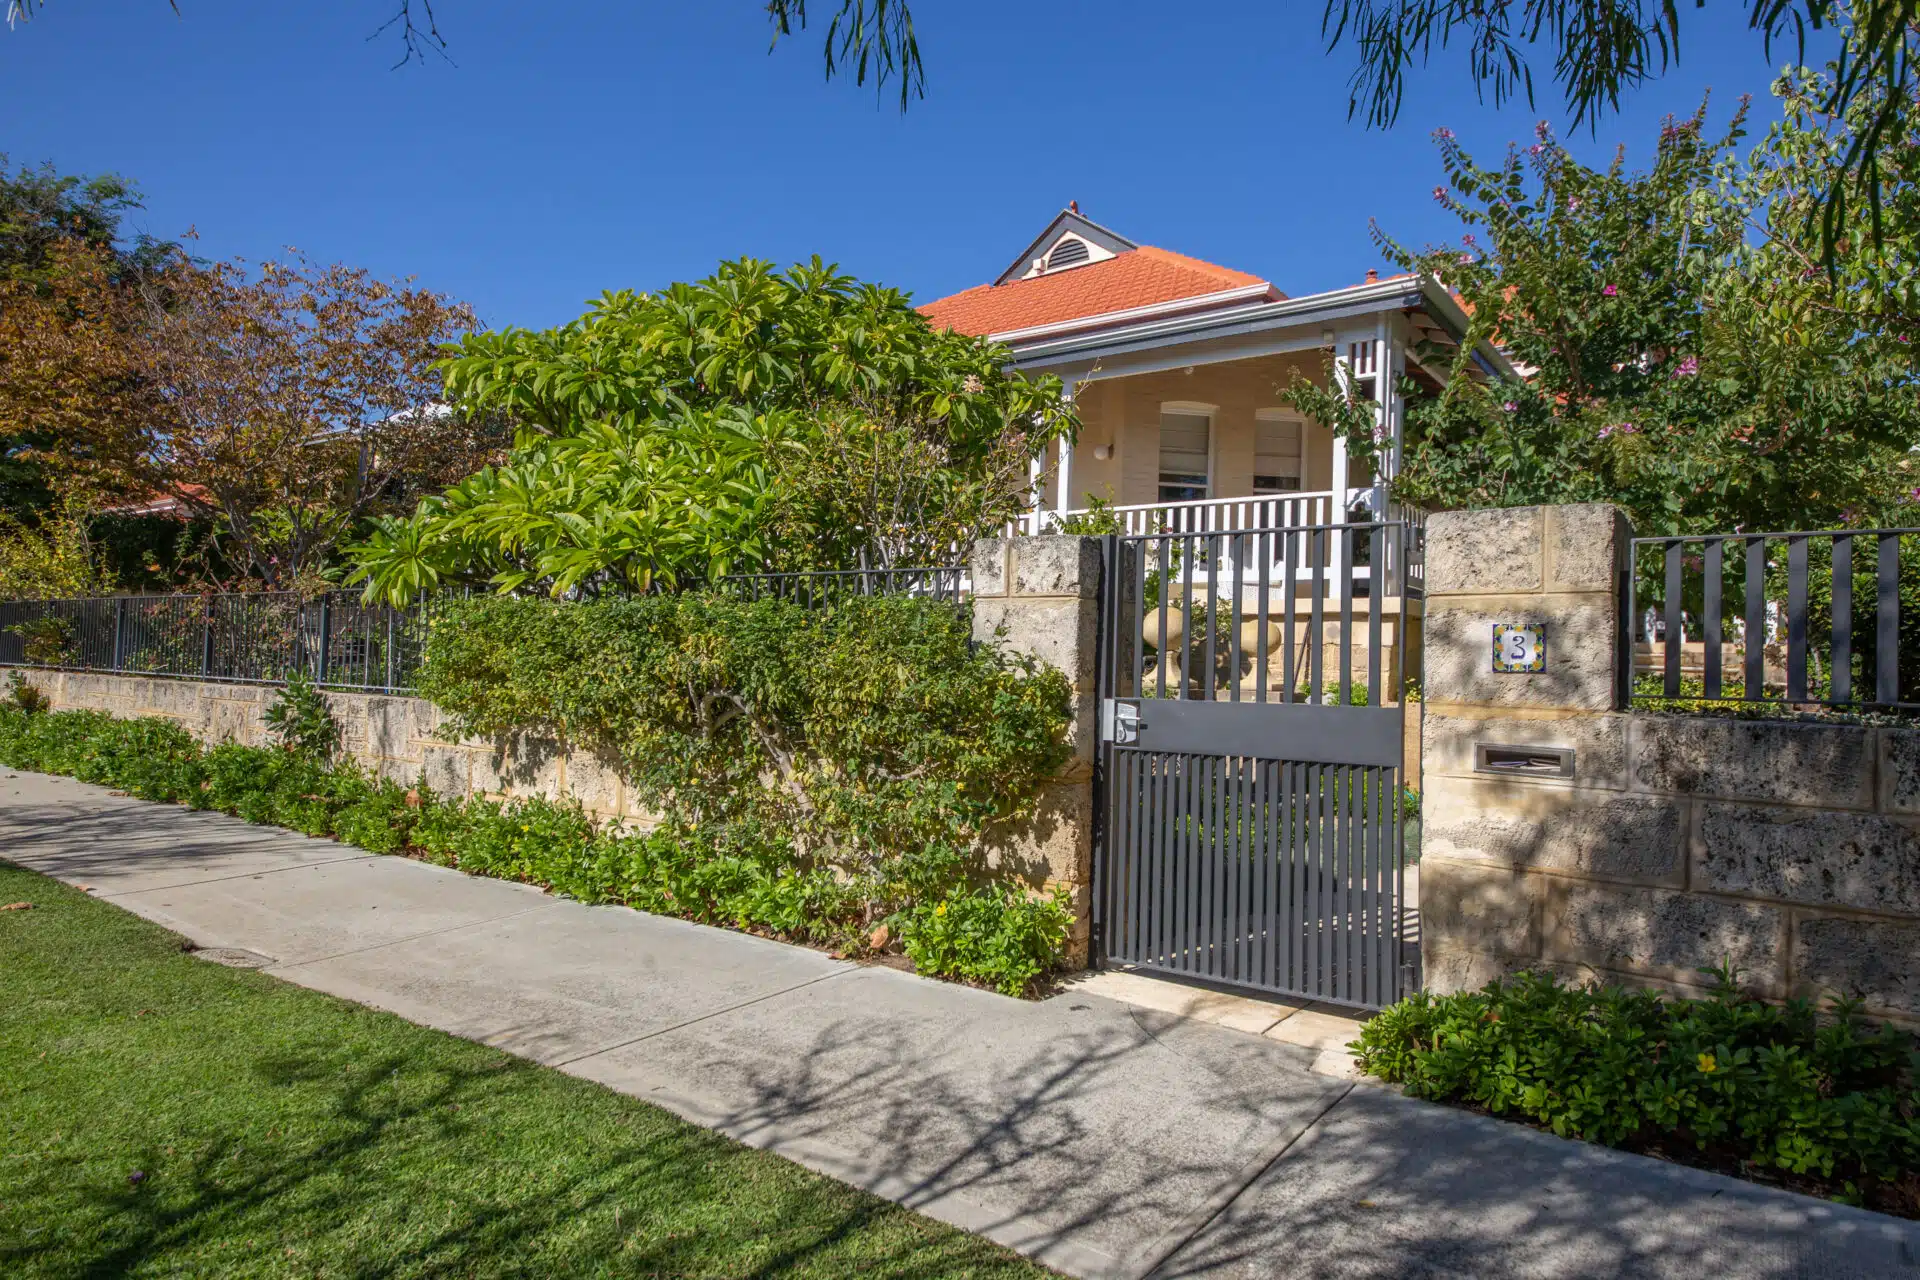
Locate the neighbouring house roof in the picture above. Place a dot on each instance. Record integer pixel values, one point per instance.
(179, 504)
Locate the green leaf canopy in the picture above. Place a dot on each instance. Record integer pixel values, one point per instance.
(757, 418)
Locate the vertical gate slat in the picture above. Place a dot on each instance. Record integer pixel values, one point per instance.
(1209, 668)
(1186, 625)
(1286, 610)
(1263, 609)
(1346, 619)
(1286, 945)
(1163, 839)
(1316, 628)
(1179, 776)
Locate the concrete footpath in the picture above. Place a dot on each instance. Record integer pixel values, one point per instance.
(1099, 1138)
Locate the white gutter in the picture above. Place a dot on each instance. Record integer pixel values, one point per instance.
(1360, 299)
(1219, 299)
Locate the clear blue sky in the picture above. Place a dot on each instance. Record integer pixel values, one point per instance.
(577, 146)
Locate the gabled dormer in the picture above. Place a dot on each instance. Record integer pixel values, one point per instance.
(1069, 241)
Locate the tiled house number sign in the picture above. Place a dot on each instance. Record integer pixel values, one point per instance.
(1519, 647)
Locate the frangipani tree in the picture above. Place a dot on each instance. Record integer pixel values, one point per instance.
(795, 419)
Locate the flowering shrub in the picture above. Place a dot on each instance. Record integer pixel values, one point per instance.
(1827, 1102)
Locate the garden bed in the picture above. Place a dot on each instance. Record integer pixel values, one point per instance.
(1824, 1103)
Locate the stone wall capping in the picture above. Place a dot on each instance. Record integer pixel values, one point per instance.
(1823, 766)
(1490, 551)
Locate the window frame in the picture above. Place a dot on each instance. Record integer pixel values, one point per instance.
(1299, 421)
(1191, 409)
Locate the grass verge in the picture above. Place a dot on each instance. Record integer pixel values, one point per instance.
(162, 1115)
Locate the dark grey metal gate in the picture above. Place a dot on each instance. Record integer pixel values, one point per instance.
(1252, 686)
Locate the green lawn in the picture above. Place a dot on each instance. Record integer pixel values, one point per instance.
(162, 1115)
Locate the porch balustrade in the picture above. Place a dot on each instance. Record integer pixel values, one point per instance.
(1242, 556)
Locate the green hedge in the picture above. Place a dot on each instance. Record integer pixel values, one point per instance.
(874, 737)
(1830, 1100)
(990, 935)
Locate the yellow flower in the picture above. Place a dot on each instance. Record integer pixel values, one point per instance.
(940, 910)
(1707, 1063)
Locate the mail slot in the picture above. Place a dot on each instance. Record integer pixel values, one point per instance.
(1523, 762)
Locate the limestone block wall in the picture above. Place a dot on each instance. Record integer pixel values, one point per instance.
(1680, 842)
(1039, 596)
(397, 737)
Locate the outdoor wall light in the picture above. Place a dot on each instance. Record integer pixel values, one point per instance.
(1103, 451)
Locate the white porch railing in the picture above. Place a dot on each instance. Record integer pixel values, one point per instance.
(1219, 515)
(1241, 557)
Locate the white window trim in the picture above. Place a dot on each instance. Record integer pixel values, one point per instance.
(1198, 408)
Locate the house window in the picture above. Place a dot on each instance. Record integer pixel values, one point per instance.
(1186, 439)
(1276, 452)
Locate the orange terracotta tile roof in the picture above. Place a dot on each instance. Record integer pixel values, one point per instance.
(1136, 278)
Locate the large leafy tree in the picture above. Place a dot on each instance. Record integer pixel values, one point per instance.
(297, 401)
(60, 237)
(1687, 352)
(283, 406)
(791, 419)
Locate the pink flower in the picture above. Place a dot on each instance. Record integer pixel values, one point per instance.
(1913, 495)
(1542, 130)
(1510, 406)
(1687, 368)
(1608, 292)
(1443, 133)
(1440, 194)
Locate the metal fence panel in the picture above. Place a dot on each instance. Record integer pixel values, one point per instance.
(336, 638)
(1807, 621)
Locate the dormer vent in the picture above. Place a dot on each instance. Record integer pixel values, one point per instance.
(1070, 252)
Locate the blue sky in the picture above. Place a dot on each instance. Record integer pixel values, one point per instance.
(576, 146)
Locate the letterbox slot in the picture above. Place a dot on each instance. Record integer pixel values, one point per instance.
(1523, 762)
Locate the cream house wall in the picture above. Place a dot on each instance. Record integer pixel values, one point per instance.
(1124, 413)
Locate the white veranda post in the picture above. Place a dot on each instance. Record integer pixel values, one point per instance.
(1343, 376)
(1062, 479)
(1063, 475)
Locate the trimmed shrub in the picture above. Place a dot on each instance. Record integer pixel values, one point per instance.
(1736, 1081)
(995, 937)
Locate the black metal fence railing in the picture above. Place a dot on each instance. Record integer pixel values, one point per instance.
(1802, 620)
(258, 638)
(264, 637)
